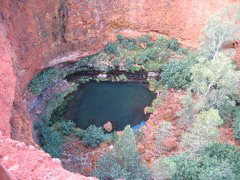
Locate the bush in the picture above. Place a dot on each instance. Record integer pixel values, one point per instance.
(236, 123)
(215, 162)
(66, 127)
(174, 44)
(108, 167)
(164, 131)
(111, 48)
(79, 133)
(146, 39)
(164, 168)
(204, 131)
(93, 136)
(44, 80)
(177, 74)
(162, 42)
(128, 43)
(223, 152)
(186, 168)
(50, 141)
(125, 160)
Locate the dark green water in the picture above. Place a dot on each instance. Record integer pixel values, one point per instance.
(119, 103)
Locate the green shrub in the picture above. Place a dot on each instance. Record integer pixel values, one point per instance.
(66, 127)
(162, 42)
(174, 44)
(79, 133)
(177, 74)
(129, 43)
(224, 152)
(164, 131)
(122, 77)
(215, 162)
(116, 61)
(50, 141)
(186, 168)
(44, 80)
(146, 39)
(129, 63)
(111, 48)
(125, 160)
(164, 168)
(108, 167)
(93, 136)
(236, 123)
(204, 131)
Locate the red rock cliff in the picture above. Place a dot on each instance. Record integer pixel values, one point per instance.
(36, 33)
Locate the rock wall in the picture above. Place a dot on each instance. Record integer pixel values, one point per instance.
(28, 162)
(35, 34)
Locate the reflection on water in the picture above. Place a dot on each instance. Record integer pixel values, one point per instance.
(119, 103)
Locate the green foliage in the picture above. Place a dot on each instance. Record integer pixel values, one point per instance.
(44, 80)
(50, 141)
(79, 133)
(222, 28)
(216, 82)
(189, 110)
(93, 136)
(224, 152)
(204, 131)
(236, 123)
(162, 42)
(125, 158)
(146, 39)
(129, 43)
(57, 115)
(218, 73)
(111, 48)
(58, 100)
(215, 162)
(164, 131)
(174, 44)
(121, 77)
(66, 127)
(164, 169)
(177, 74)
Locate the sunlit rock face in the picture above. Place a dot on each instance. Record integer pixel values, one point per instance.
(43, 33)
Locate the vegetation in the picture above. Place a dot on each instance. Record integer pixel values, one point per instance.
(93, 136)
(50, 140)
(216, 161)
(177, 74)
(44, 80)
(222, 28)
(164, 131)
(236, 123)
(204, 131)
(164, 168)
(123, 161)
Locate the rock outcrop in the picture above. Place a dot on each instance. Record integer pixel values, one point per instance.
(28, 162)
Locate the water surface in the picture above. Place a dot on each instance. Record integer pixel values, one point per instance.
(119, 103)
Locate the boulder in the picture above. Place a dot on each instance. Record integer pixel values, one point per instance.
(108, 126)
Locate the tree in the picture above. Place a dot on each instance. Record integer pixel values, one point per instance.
(222, 28)
(216, 82)
(125, 158)
(164, 169)
(164, 131)
(204, 131)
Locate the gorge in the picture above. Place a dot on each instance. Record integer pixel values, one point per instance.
(36, 35)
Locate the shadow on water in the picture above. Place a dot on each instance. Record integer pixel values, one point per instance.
(100, 102)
